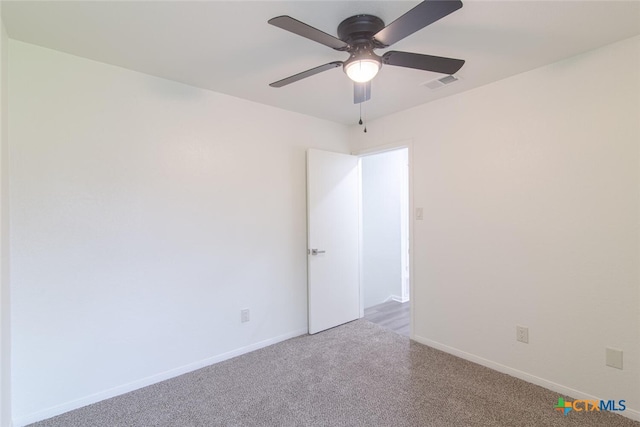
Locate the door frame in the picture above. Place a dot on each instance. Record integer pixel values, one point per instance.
(408, 144)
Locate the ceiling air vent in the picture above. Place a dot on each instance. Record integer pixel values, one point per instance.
(438, 83)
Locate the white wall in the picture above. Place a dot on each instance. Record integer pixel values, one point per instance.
(530, 189)
(381, 234)
(5, 330)
(145, 215)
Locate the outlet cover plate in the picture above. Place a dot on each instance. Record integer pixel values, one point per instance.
(614, 357)
(522, 334)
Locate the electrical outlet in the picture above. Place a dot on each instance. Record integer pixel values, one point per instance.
(244, 315)
(522, 334)
(614, 358)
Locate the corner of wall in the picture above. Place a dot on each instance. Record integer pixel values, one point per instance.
(5, 343)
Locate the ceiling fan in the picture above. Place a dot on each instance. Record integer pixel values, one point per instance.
(360, 35)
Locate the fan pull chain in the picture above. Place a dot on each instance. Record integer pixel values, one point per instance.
(365, 119)
(360, 121)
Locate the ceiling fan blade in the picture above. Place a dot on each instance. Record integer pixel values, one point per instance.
(361, 92)
(418, 61)
(307, 31)
(305, 74)
(425, 13)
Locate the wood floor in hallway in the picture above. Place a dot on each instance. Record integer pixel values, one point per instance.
(392, 315)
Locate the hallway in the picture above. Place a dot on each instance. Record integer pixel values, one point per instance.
(392, 315)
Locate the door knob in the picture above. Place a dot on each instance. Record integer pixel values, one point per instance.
(316, 252)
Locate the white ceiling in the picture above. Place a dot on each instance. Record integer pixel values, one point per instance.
(228, 47)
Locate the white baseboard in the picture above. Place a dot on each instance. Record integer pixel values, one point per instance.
(558, 388)
(632, 413)
(395, 298)
(125, 388)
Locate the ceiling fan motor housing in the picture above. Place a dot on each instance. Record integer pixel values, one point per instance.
(360, 29)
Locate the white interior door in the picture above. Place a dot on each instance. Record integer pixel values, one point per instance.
(333, 216)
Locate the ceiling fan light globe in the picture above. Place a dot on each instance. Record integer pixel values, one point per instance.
(363, 70)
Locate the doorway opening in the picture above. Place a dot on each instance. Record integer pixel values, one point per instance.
(385, 272)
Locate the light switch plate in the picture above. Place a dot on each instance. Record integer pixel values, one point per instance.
(419, 214)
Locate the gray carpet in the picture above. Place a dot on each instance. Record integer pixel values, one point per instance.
(358, 374)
